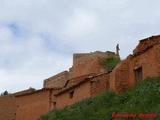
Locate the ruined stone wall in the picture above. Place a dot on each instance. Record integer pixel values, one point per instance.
(85, 63)
(120, 76)
(56, 81)
(32, 106)
(7, 107)
(146, 44)
(123, 76)
(100, 84)
(148, 61)
(93, 67)
(92, 87)
(80, 92)
(83, 58)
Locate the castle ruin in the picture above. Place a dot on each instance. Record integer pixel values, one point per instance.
(86, 78)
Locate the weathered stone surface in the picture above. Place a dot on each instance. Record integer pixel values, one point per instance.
(146, 44)
(56, 81)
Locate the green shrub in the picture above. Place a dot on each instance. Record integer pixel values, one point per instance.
(110, 63)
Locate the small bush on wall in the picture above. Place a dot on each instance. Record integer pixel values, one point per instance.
(110, 63)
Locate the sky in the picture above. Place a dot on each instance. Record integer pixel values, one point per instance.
(38, 37)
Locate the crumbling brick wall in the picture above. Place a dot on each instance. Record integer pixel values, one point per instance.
(82, 69)
(85, 63)
(56, 81)
(83, 58)
(120, 76)
(148, 61)
(124, 75)
(7, 107)
(146, 44)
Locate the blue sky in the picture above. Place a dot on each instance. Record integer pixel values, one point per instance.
(38, 38)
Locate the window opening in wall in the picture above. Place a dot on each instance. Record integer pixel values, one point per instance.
(138, 74)
(54, 105)
(71, 94)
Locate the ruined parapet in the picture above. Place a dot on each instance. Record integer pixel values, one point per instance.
(85, 63)
(83, 58)
(56, 81)
(146, 44)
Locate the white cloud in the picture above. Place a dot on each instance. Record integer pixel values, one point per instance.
(27, 62)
